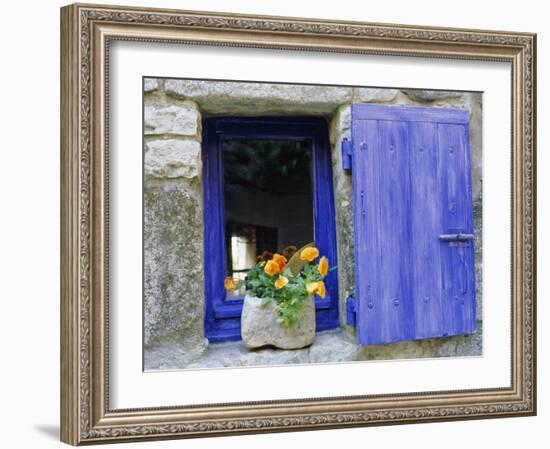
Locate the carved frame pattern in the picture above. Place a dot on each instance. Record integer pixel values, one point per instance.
(86, 33)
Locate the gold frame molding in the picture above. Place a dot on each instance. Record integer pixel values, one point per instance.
(86, 31)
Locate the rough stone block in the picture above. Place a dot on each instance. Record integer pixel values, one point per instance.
(478, 245)
(172, 158)
(340, 128)
(331, 347)
(173, 273)
(259, 325)
(424, 96)
(259, 98)
(150, 84)
(474, 101)
(374, 95)
(175, 353)
(181, 119)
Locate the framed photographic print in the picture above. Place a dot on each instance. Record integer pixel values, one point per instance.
(281, 224)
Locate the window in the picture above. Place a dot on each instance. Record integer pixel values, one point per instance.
(267, 186)
(414, 251)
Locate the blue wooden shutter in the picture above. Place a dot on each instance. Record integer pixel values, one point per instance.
(414, 250)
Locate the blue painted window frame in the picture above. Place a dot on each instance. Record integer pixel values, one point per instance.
(222, 315)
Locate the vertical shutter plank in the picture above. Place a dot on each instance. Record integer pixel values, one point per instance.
(364, 177)
(425, 227)
(383, 220)
(458, 289)
(395, 301)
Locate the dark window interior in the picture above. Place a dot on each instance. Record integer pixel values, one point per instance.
(268, 199)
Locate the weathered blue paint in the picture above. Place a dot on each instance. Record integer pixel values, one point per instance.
(346, 154)
(222, 315)
(426, 228)
(458, 273)
(350, 311)
(410, 114)
(412, 185)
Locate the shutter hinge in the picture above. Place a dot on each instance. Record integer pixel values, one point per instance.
(347, 149)
(351, 311)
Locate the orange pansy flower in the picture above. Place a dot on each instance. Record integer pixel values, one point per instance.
(323, 266)
(281, 260)
(272, 268)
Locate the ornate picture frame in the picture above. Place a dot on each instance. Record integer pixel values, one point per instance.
(86, 32)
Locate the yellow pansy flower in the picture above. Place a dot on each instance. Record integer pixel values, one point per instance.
(321, 289)
(318, 288)
(230, 284)
(311, 288)
(281, 281)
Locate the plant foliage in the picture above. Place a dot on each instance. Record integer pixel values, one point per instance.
(272, 280)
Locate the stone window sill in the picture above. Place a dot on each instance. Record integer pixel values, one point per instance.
(329, 347)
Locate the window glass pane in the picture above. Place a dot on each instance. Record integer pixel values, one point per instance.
(268, 200)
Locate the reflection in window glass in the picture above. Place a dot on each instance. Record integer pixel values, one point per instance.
(268, 200)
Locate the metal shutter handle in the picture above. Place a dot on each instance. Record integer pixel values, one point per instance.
(456, 237)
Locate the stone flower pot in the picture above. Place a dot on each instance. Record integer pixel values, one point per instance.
(259, 325)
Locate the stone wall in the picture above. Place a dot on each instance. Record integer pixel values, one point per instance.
(173, 226)
(173, 209)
